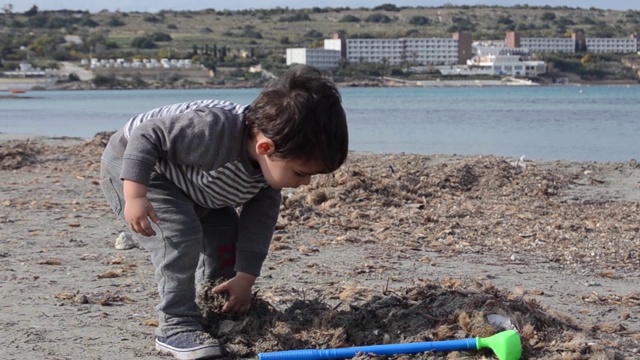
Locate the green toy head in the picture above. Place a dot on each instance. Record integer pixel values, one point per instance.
(506, 345)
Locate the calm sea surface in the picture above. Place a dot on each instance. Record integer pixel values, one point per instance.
(598, 123)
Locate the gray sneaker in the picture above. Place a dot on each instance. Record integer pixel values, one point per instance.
(189, 345)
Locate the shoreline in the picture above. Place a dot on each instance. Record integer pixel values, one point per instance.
(68, 141)
(87, 85)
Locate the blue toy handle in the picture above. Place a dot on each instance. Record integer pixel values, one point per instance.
(388, 349)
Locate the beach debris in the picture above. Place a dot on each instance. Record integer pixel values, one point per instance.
(500, 322)
(124, 241)
(100, 139)
(81, 298)
(428, 310)
(17, 154)
(151, 322)
(50, 262)
(110, 274)
(426, 209)
(520, 163)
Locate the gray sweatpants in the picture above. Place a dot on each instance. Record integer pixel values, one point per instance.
(192, 244)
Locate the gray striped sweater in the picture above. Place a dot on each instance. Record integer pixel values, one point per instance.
(201, 147)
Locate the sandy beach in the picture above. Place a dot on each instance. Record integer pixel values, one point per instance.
(389, 249)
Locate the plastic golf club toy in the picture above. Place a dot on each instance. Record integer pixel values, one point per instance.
(506, 345)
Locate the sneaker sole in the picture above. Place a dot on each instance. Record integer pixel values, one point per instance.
(202, 352)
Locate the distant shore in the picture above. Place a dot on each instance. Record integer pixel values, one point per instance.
(87, 85)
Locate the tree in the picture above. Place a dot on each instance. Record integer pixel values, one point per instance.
(548, 16)
(378, 18)
(150, 18)
(349, 18)
(45, 45)
(31, 12)
(143, 43)
(161, 36)
(209, 63)
(89, 22)
(223, 52)
(285, 40)
(387, 7)
(505, 20)
(419, 20)
(115, 22)
(313, 34)
(298, 16)
(105, 81)
(8, 9)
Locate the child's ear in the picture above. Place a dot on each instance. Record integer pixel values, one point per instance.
(265, 146)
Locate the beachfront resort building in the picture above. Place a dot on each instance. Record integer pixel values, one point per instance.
(318, 57)
(458, 55)
(403, 51)
(137, 63)
(540, 44)
(416, 51)
(612, 45)
(576, 43)
(494, 58)
(437, 51)
(507, 65)
(26, 77)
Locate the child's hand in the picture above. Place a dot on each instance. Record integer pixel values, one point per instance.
(137, 213)
(137, 209)
(239, 289)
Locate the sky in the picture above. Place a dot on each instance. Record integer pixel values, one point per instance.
(157, 5)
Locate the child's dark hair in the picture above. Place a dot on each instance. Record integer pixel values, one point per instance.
(301, 112)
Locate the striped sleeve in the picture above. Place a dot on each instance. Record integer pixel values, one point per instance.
(179, 109)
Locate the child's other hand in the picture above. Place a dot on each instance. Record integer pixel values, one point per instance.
(137, 212)
(239, 289)
(137, 208)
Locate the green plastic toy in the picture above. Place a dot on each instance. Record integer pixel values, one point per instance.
(506, 345)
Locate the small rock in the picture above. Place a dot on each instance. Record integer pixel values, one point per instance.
(226, 327)
(81, 299)
(124, 242)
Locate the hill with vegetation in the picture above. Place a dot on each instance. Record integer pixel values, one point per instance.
(239, 39)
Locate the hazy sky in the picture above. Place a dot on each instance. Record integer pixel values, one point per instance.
(156, 5)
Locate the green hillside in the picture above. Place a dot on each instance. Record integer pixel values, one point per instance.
(223, 37)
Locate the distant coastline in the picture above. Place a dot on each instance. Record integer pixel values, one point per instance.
(345, 84)
(6, 85)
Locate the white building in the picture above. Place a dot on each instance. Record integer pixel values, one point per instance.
(333, 44)
(139, 64)
(317, 57)
(497, 48)
(562, 45)
(415, 51)
(503, 65)
(612, 45)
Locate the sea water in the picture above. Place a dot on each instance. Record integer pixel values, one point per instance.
(582, 123)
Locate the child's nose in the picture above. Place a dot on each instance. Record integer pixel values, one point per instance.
(305, 180)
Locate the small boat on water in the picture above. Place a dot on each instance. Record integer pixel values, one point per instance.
(17, 91)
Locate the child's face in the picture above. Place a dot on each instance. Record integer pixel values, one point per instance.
(281, 173)
(288, 173)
